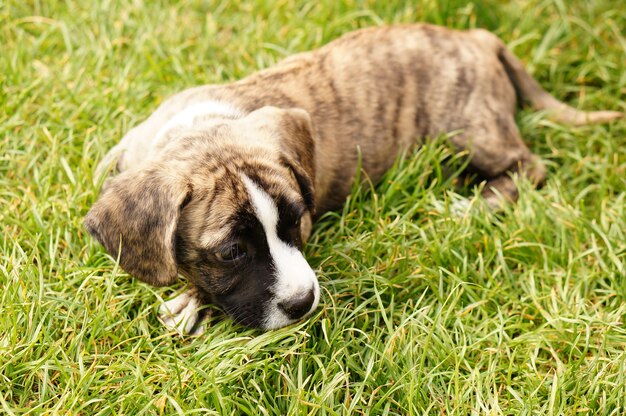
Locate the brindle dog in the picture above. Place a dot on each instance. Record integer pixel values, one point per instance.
(221, 183)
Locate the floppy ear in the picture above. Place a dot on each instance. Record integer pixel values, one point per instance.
(297, 145)
(136, 217)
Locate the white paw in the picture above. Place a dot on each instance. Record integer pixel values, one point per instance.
(457, 208)
(181, 314)
(460, 207)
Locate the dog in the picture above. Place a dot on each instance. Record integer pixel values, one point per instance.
(221, 184)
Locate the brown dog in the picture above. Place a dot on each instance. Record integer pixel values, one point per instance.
(221, 183)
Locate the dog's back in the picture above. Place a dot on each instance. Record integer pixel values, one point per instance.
(378, 90)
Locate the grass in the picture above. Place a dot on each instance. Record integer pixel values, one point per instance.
(517, 313)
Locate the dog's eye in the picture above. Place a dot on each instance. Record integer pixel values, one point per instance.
(233, 253)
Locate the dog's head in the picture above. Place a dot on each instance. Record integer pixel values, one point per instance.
(227, 205)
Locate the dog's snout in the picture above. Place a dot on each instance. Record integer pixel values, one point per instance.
(298, 306)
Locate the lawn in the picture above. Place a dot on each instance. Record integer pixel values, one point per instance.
(520, 312)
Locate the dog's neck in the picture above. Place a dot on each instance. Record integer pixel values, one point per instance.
(205, 111)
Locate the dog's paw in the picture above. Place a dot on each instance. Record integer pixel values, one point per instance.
(181, 314)
(458, 208)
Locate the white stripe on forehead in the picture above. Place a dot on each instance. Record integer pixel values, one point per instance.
(294, 276)
(264, 206)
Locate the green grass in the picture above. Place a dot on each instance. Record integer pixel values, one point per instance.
(521, 312)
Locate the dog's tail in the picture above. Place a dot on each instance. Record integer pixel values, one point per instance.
(529, 90)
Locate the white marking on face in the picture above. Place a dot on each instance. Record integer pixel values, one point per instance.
(294, 276)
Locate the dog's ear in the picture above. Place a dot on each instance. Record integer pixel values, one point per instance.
(295, 134)
(298, 151)
(136, 218)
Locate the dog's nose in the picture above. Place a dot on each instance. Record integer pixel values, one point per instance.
(298, 306)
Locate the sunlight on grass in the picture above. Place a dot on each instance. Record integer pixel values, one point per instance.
(516, 313)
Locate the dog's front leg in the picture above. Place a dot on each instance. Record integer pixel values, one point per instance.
(184, 313)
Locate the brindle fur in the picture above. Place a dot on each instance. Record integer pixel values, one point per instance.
(373, 92)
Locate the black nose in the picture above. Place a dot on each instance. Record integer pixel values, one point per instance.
(298, 306)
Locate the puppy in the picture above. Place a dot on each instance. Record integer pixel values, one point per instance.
(221, 183)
